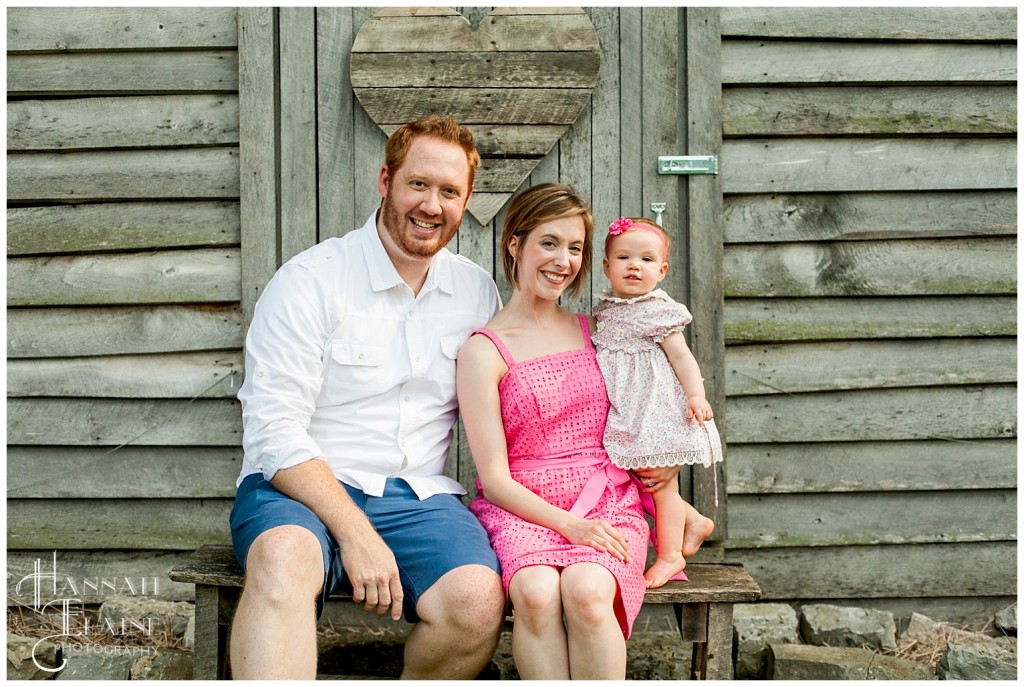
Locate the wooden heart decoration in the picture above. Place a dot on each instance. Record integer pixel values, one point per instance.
(518, 81)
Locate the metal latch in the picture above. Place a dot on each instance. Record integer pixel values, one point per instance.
(688, 164)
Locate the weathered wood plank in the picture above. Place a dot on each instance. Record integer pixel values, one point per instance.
(258, 146)
(855, 518)
(117, 422)
(852, 164)
(893, 110)
(99, 227)
(794, 368)
(887, 23)
(68, 29)
(804, 319)
(882, 268)
(206, 71)
(605, 130)
(860, 216)
(76, 524)
(334, 111)
(475, 69)
(476, 105)
(876, 415)
(113, 566)
(123, 175)
(568, 31)
(872, 466)
(791, 62)
(155, 121)
(78, 331)
(703, 249)
(143, 472)
(297, 182)
(870, 572)
(192, 276)
(175, 375)
(500, 140)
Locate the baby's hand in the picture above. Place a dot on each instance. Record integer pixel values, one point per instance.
(698, 409)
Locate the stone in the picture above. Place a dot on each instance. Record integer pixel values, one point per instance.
(804, 662)
(921, 628)
(754, 627)
(28, 658)
(127, 613)
(95, 662)
(658, 656)
(163, 664)
(989, 659)
(189, 640)
(1006, 620)
(838, 626)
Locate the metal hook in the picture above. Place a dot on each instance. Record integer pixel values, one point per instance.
(657, 209)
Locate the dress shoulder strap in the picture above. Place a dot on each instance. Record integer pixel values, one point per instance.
(498, 343)
(585, 326)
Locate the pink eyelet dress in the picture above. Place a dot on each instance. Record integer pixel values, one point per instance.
(554, 409)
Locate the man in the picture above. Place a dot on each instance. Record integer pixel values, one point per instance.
(348, 406)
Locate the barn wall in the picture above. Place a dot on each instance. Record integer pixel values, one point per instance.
(869, 172)
(124, 328)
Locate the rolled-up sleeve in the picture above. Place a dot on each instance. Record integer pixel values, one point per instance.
(284, 352)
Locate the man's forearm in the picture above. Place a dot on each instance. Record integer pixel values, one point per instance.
(313, 484)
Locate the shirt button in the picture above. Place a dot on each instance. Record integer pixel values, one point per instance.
(406, 399)
(360, 356)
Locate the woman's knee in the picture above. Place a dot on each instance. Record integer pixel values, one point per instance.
(588, 593)
(535, 593)
(284, 564)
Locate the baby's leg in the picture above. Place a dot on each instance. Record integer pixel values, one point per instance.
(670, 516)
(697, 529)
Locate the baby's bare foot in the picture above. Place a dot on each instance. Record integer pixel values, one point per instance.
(664, 569)
(696, 532)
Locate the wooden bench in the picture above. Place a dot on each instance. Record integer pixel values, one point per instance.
(703, 609)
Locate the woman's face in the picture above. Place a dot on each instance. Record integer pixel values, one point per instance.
(549, 257)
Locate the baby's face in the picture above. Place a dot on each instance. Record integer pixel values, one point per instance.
(634, 263)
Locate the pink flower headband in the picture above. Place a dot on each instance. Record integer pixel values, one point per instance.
(624, 224)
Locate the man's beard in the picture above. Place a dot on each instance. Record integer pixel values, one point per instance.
(395, 225)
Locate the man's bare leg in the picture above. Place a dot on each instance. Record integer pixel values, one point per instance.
(460, 620)
(273, 635)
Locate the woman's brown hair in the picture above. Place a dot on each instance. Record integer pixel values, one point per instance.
(535, 206)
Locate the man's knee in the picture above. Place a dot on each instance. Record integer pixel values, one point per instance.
(469, 597)
(284, 564)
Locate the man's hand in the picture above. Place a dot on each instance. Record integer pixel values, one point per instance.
(371, 568)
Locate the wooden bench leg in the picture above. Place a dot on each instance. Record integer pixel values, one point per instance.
(709, 627)
(718, 650)
(208, 651)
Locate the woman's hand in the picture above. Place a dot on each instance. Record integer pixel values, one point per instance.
(599, 535)
(656, 478)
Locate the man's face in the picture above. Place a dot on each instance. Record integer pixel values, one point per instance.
(425, 198)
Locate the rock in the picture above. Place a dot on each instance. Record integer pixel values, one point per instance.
(163, 664)
(127, 613)
(836, 626)
(94, 662)
(803, 662)
(1006, 620)
(189, 640)
(989, 659)
(924, 630)
(754, 627)
(658, 656)
(28, 658)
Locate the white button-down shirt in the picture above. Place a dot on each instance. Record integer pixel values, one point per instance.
(344, 363)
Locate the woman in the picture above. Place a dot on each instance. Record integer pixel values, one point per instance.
(566, 523)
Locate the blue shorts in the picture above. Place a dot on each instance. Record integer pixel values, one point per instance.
(428, 537)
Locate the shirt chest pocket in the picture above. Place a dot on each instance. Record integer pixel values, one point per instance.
(354, 371)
